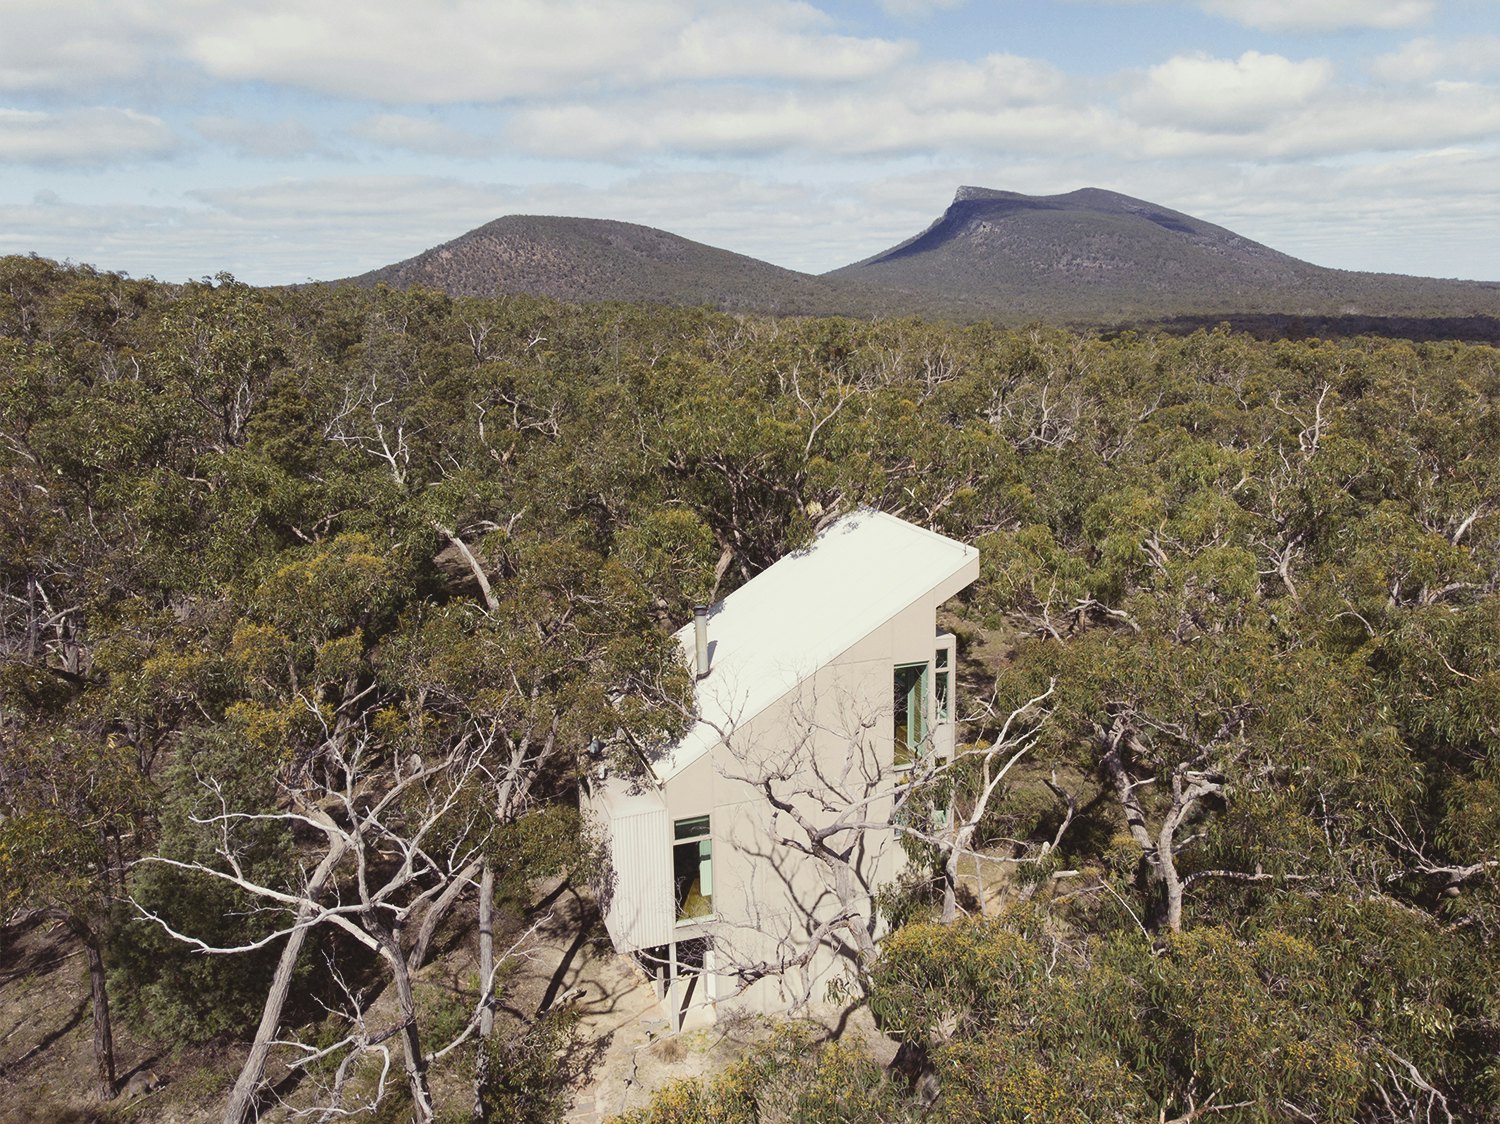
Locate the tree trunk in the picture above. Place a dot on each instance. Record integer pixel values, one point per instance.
(104, 1040)
(1188, 788)
(435, 913)
(979, 885)
(242, 1096)
(843, 883)
(413, 1059)
(485, 592)
(487, 982)
(487, 949)
(950, 887)
(958, 842)
(1151, 875)
(1171, 884)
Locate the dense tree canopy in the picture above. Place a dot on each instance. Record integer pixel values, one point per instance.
(268, 555)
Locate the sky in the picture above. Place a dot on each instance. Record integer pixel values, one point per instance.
(282, 140)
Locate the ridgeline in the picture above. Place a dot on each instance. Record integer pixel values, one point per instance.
(1089, 258)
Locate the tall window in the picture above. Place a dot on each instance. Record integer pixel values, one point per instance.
(943, 686)
(910, 705)
(693, 868)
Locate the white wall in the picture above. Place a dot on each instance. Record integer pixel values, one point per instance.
(828, 744)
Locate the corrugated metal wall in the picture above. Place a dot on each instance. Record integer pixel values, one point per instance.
(640, 912)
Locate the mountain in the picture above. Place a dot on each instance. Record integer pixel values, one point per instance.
(1098, 255)
(1089, 257)
(578, 259)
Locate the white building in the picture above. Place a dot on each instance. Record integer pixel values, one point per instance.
(826, 674)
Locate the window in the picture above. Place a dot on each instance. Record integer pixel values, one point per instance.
(910, 706)
(944, 686)
(693, 868)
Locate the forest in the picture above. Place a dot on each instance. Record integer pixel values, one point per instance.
(311, 598)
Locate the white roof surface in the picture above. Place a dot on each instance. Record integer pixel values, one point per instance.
(799, 614)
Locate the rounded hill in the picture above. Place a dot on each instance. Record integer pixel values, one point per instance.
(580, 259)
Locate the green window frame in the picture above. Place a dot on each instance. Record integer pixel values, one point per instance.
(693, 868)
(909, 704)
(943, 686)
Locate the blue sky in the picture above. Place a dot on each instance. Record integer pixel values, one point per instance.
(283, 140)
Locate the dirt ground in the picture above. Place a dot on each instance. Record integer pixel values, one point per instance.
(46, 1043)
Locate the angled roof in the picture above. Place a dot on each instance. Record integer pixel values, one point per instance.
(799, 614)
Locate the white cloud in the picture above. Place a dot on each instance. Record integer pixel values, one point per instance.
(422, 135)
(90, 137)
(910, 8)
(1412, 213)
(1374, 122)
(869, 135)
(775, 40)
(291, 230)
(788, 223)
(461, 51)
(995, 80)
(1321, 15)
(260, 140)
(1256, 107)
(68, 44)
(477, 50)
(299, 203)
(1000, 100)
(393, 52)
(1343, 124)
(1241, 94)
(1424, 59)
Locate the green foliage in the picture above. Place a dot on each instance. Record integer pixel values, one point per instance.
(546, 843)
(69, 800)
(443, 1011)
(790, 1077)
(672, 552)
(1118, 1028)
(911, 897)
(172, 991)
(527, 1076)
(240, 527)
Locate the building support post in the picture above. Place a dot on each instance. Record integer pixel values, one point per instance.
(672, 998)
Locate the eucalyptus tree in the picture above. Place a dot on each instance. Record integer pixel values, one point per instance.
(405, 748)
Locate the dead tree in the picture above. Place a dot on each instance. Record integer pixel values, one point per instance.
(366, 1043)
(395, 842)
(1193, 779)
(990, 762)
(830, 793)
(837, 802)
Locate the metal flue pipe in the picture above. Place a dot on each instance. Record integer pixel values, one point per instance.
(700, 637)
